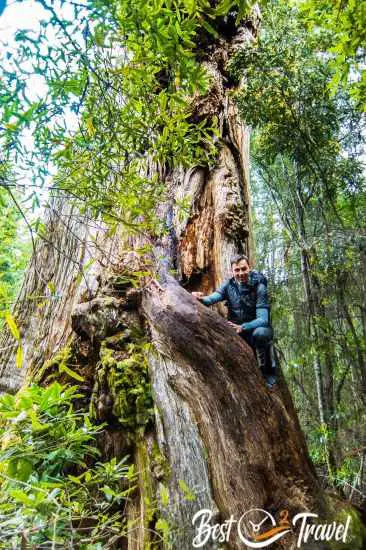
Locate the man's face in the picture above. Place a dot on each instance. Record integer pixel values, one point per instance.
(241, 271)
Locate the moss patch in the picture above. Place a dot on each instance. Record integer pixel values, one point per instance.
(123, 377)
(356, 537)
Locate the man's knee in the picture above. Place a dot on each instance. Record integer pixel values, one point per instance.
(262, 336)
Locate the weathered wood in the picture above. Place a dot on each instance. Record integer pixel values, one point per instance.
(181, 443)
(47, 295)
(256, 455)
(64, 270)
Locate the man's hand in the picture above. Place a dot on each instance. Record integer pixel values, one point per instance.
(198, 295)
(238, 328)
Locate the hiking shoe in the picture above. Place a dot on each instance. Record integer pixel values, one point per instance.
(271, 381)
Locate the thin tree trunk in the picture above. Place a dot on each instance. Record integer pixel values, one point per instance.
(357, 341)
(322, 370)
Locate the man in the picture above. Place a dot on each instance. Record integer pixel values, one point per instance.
(247, 301)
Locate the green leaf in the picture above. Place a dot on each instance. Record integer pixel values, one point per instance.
(22, 497)
(19, 357)
(188, 495)
(90, 126)
(51, 287)
(37, 426)
(109, 493)
(12, 325)
(164, 495)
(209, 28)
(23, 469)
(75, 479)
(163, 525)
(70, 372)
(224, 7)
(190, 6)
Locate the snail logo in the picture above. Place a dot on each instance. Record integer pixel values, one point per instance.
(257, 528)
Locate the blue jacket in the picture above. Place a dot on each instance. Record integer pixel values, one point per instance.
(247, 303)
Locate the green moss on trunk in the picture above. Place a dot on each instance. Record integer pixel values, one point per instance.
(122, 388)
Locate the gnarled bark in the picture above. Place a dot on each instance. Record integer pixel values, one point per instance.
(256, 454)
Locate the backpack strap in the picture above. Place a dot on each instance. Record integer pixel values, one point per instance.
(255, 278)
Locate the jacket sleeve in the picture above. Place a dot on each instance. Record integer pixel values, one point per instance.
(217, 296)
(262, 309)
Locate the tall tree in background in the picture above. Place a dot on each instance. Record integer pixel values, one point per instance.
(161, 156)
(307, 152)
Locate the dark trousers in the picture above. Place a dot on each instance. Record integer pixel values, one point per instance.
(260, 340)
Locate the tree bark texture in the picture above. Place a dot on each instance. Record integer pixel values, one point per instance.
(53, 283)
(255, 451)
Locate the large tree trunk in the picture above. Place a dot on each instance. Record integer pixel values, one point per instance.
(49, 291)
(218, 439)
(255, 451)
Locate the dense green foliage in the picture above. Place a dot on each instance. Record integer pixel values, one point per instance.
(53, 491)
(309, 199)
(346, 22)
(123, 75)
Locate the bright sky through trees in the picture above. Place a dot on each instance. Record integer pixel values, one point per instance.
(28, 15)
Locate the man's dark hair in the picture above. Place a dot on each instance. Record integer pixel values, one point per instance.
(238, 258)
